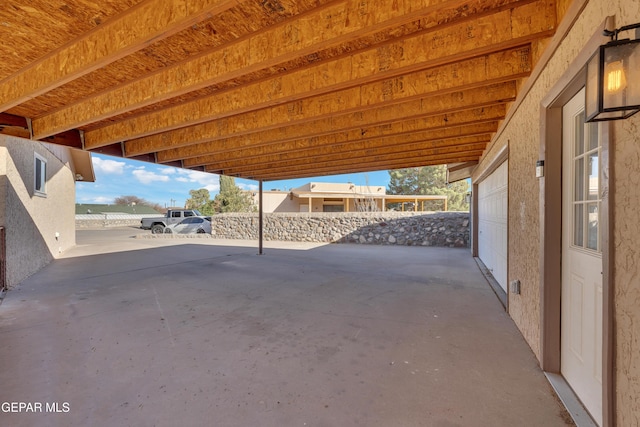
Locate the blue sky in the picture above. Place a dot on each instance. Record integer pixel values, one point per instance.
(168, 186)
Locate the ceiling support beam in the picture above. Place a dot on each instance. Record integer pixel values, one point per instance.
(380, 66)
(291, 40)
(277, 175)
(469, 119)
(70, 138)
(458, 147)
(468, 75)
(430, 112)
(439, 107)
(7, 119)
(140, 26)
(440, 138)
(116, 150)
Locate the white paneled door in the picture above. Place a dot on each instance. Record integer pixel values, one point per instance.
(492, 223)
(581, 316)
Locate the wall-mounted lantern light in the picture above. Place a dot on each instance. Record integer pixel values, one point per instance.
(613, 78)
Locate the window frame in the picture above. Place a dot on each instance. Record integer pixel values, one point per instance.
(39, 175)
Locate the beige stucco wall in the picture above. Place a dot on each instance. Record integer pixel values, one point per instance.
(522, 136)
(32, 221)
(277, 201)
(626, 265)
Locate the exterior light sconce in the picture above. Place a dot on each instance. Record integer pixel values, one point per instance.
(613, 78)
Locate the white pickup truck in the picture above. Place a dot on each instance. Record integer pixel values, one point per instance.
(157, 224)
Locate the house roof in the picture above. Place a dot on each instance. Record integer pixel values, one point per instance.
(387, 197)
(273, 89)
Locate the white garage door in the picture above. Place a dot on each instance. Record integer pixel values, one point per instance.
(492, 223)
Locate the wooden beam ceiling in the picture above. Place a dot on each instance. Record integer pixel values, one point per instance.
(345, 143)
(137, 27)
(422, 149)
(336, 142)
(279, 89)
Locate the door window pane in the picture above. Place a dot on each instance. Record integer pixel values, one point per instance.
(579, 136)
(592, 226)
(579, 179)
(40, 175)
(592, 176)
(578, 225)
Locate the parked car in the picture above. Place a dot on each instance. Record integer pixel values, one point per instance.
(173, 216)
(194, 224)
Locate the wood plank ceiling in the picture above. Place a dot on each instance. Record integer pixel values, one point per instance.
(269, 89)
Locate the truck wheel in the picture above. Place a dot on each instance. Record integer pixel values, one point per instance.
(157, 229)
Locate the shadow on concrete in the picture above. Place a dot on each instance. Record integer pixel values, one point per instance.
(204, 334)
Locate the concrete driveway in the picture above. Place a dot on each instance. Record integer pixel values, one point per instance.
(200, 332)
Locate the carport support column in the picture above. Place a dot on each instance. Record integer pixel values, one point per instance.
(260, 222)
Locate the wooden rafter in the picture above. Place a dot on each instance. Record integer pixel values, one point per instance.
(268, 48)
(449, 146)
(355, 166)
(371, 71)
(335, 141)
(475, 73)
(281, 153)
(272, 90)
(471, 120)
(116, 38)
(300, 119)
(422, 108)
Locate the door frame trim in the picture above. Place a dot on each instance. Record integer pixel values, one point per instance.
(550, 200)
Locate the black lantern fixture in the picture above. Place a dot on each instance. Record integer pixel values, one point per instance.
(613, 78)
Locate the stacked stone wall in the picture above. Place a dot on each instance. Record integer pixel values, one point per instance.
(376, 228)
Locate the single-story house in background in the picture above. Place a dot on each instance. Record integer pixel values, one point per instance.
(37, 198)
(340, 197)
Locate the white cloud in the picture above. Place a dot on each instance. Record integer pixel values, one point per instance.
(204, 180)
(95, 199)
(248, 187)
(148, 177)
(108, 166)
(102, 200)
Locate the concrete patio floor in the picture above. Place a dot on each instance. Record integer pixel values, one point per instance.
(200, 332)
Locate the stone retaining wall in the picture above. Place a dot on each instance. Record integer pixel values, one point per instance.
(97, 223)
(108, 220)
(377, 228)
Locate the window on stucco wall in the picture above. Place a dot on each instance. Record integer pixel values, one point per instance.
(40, 175)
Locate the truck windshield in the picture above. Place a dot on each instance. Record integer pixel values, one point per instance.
(194, 212)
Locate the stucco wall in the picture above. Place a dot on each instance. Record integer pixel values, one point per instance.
(32, 221)
(277, 201)
(626, 265)
(522, 136)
